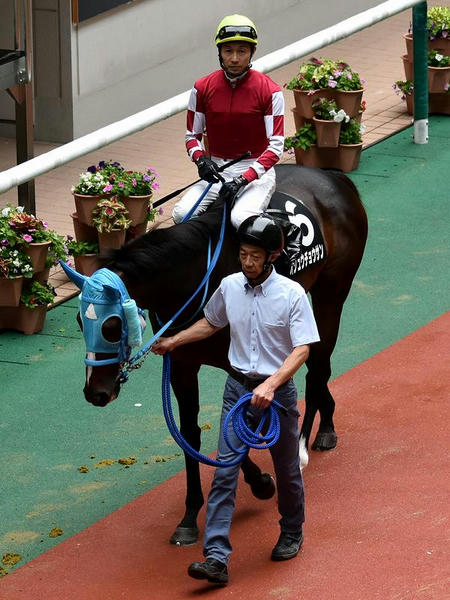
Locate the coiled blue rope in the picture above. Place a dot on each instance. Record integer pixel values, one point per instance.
(236, 418)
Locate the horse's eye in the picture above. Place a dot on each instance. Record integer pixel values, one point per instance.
(79, 321)
(112, 329)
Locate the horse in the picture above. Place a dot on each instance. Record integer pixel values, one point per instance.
(163, 267)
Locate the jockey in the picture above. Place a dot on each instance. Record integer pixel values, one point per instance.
(240, 109)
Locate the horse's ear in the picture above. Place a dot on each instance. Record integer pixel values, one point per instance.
(77, 278)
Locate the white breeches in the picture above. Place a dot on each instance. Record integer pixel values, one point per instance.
(253, 200)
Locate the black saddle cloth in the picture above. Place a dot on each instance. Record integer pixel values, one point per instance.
(304, 243)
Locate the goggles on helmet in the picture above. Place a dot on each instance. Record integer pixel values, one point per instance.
(231, 31)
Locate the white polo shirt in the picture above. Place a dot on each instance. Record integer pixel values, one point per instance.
(266, 322)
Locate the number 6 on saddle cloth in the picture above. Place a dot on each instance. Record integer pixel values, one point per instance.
(104, 295)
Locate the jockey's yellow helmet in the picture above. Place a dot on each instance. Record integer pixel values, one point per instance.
(236, 28)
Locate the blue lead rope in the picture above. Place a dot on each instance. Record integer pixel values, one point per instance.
(236, 418)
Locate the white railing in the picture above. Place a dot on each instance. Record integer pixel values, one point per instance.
(120, 129)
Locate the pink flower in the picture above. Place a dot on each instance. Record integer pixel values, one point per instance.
(349, 76)
(108, 188)
(134, 182)
(161, 211)
(27, 238)
(109, 211)
(332, 83)
(120, 184)
(155, 186)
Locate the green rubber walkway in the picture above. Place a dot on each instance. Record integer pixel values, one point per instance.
(48, 431)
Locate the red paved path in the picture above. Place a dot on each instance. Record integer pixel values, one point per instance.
(377, 508)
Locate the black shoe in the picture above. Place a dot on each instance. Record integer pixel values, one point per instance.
(213, 570)
(288, 546)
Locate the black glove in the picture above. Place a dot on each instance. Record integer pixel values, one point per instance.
(229, 189)
(207, 170)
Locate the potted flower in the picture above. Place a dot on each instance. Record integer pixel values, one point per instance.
(438, 71)
(15, 265)
(350, 145)
(438, 31)
(327, 121)
(304, 145)
(84, 255)
(329, 79)
(92, 185)
(34, 301)
(405, 89)
(110, 217)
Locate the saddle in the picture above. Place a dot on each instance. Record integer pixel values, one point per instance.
(303, 238)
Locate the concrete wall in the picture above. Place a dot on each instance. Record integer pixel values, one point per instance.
(113, 65)
(150, 50)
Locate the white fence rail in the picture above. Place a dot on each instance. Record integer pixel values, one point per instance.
(120, 129)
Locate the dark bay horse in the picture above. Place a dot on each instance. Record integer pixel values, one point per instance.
(162, 268)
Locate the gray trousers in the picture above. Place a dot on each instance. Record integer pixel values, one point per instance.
(285, 457)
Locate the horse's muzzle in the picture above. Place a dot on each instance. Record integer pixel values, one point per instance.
(100, 398)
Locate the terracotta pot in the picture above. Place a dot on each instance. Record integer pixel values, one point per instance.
(42, 276)
(304, 100)
(439, 103)
(10, 290)
(438, 78)
(111, 239)
(327, 133)
(349, 101)
(322, 158)
(84, 206)
(83, 232)
(299, 121)
(442, 44)
(137, 207)
(38, 254)
(86, 264)
(408, 68)
(349, 156)
(21, 318)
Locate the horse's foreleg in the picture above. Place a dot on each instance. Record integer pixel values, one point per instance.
(185, 385)
(317, 395)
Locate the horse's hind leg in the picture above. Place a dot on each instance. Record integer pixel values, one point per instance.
(185, 385)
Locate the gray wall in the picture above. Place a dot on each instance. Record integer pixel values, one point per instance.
(113, 65)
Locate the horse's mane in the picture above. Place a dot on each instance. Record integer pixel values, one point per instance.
(163, 246)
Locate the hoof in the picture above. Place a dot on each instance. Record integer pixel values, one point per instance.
(184, 536)
(264, 487)
(325, 441)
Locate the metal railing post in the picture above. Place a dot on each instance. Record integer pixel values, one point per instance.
(420, 42)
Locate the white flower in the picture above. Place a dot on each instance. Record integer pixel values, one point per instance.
(362, 128)
(6, 211)
(340, 116)
(439, 57)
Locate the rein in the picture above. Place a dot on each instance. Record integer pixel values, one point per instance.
(135, 362)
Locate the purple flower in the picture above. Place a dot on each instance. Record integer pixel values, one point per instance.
(349, 76)
(102, 164)
(116, 164)
(45, 224)
(147, 178)
(69, 238)
(155, 186)
(446, 86)
(27, 238)
(92, 169)
(161, 211)
(4, 243)
(337, 74)
(332, 83)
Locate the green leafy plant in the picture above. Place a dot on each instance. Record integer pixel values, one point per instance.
(437, 59)
(323, 73)
(403, 88)
(14, 262)
(304, 138)
(438, 22)
(109, 214)
(75, 248)
(37, 294)
(351, 133)
(109, 178)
